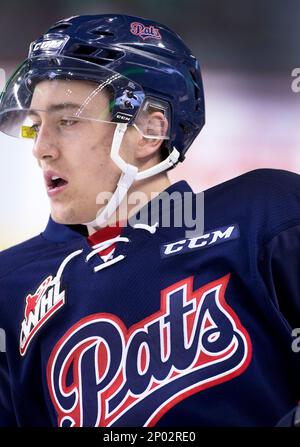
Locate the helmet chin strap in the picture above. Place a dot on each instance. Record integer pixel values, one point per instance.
(129, 174)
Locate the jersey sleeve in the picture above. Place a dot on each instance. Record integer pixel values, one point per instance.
(280, 266)
(285, 256)
(279, 240)
(7, 417)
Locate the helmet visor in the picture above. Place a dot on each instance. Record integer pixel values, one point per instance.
(66, 90)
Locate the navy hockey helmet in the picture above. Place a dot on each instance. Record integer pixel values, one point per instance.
(145, 52)
(144, 66)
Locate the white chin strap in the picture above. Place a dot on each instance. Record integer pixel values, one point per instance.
(129, 174)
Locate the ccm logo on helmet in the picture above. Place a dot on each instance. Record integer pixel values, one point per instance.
(214, 237)
(47, 45)
(145, 32)
(123, 117)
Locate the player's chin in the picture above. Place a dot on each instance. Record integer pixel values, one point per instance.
(69, 214)
(64, 215)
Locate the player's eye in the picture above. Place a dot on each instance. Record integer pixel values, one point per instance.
(35, 128)
(67, 122)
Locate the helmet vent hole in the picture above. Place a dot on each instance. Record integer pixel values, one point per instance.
(100, 32)
(198, 106)
(110, 54)
(60, 27)
(85, 50)
(102, 57)
(197, 92)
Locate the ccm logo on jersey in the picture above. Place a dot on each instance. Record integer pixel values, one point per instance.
(102, 374)
(214, 237)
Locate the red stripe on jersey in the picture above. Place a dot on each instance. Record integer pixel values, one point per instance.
(103, 235)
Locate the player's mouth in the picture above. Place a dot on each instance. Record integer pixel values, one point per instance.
(55, 183)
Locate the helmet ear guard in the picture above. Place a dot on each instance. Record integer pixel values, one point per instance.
(153, 118)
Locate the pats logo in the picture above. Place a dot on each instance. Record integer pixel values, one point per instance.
(40, 306)
(102, 374)
(145, 32)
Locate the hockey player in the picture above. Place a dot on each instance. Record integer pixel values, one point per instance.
(135, 317)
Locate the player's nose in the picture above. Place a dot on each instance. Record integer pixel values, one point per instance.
(45, 145)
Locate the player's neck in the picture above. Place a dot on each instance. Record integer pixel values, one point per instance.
(146, 190)
(140, 193)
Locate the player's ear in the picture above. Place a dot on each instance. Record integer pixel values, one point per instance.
(151, 131)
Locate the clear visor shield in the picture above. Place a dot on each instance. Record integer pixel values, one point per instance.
(62, 91)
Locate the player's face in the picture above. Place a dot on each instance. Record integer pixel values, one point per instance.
(75, 151)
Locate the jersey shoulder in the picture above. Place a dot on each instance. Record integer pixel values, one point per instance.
(264, 200)
(13, 258)
(31, 250)
(259, 181)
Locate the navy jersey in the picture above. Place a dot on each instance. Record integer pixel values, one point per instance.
(169, 329)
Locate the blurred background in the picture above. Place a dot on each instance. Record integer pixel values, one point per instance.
(247, 50)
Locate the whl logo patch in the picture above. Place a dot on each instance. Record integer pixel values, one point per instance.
(40, 306)
(102, 374)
